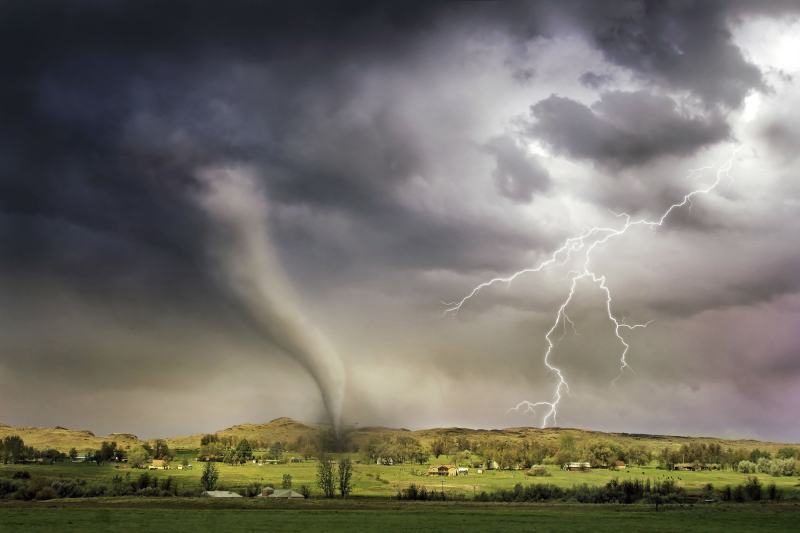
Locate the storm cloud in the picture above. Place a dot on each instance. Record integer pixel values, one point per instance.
(396, 155)
(623, 129)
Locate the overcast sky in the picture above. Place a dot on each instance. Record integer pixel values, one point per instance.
(213, 213)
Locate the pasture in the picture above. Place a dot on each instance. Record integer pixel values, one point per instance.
(197, 515)
(380, 481)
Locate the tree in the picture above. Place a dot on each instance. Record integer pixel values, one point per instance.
(210, 477)
(213, 451)
(439, 447)
(208, 438)
(325, 477)
(276, 450)
(345, 477)
(161, 450)
(106, 452)
(787, 453)
(244, 451)
(12, 449)
(600, 453)
(287, 481)
(138, 457)
(73, 454)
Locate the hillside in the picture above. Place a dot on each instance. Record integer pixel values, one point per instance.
(63, 439)
(288, 430)
(281, 429)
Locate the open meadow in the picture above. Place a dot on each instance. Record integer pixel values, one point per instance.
(379, 481)
(196, 515)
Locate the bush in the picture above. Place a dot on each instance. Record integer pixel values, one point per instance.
(208, 481)
(413, 492)
(252, 490)
(782, 467)
(538, 471)
(772, 492)
(746, 467)
(753, 489)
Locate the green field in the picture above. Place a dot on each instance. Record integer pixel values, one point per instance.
(197, 515)
(385, 481)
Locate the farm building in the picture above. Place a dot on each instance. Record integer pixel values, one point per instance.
(443, 470)
(462, 471)
(221, 494)
(618, 465)
(686, 466)
(577, 467)
(285, 493)
(158, 464)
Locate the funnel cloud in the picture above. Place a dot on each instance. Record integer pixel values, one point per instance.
(257, 209)
(250, 266)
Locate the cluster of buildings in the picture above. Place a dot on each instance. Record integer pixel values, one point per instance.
(449, 470)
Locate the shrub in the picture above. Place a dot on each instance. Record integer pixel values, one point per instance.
(746, 467)
(753, 489)
(208, 481)
(252, 490)
(772, 492)
(413, 492)
(782, 467)
(538, 471)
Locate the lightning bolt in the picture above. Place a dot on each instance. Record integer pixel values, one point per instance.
(588, 242)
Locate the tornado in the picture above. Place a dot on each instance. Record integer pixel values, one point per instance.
(237, 207)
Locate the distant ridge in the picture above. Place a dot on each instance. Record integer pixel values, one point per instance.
(63, 439)
(288, 430)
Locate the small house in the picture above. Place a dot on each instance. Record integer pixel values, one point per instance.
(576, 467)
(618, 465)
(443, 470)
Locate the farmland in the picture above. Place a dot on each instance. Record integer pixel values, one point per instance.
(193, 515)
(372, 480)
(491, 499)
(385, 481)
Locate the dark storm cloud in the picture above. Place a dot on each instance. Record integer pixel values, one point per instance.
(592, 80)
(517, 174)
(685, 45)
(623, 129)
(352, 117)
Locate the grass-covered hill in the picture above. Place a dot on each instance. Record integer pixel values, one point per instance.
(288, 431)
(63, 439)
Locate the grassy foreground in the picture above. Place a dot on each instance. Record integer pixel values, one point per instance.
(197, 515)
